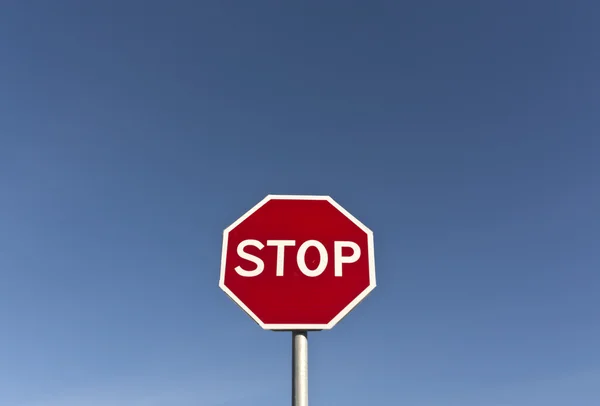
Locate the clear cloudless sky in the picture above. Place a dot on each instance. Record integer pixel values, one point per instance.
(465, 134)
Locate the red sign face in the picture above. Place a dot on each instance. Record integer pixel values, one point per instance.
(297, 262)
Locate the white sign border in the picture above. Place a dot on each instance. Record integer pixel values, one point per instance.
(289, 327)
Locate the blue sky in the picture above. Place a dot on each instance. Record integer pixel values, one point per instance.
(464, 134)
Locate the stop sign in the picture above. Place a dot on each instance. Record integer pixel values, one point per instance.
(297, 262)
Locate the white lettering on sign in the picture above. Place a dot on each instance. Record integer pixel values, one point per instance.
(260, 265)
(301, 258)
(280, 244)
(338, 258)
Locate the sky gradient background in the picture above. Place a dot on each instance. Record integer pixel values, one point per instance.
(465, 134)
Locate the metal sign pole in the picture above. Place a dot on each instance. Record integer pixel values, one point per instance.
(299, 368)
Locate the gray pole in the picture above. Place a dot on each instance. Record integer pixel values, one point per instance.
(299, 368)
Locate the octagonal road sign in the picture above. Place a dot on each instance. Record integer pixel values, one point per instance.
(297, 262)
